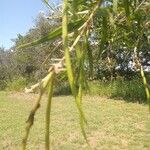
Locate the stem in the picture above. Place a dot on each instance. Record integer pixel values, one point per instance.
(48, 111)
(49, 77)
(139, 65)
(30, 122)
(145, 86)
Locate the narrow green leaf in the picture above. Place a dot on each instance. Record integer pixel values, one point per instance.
(126, 4)
(115, 5)
(80, 63)
(48, 112)
(89, 55)
(79, 106)
(70, 72)
(53, 35)
(46, 81)
(81, 81)
(46, 1)
(126, 7)
(79, 101)
(65, 47)
(104, 31)
(147, 91)
(48, 5)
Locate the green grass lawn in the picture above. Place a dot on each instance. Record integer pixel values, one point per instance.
(112, 124)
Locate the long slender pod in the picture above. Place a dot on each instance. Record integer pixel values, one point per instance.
(30, 121)
(48, 112)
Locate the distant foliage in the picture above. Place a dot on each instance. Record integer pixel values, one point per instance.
(129, 90)
(17, 84)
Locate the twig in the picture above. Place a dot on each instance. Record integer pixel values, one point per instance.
(51, 53)
(53, 69)
(83, 28)
(43, 84)
(30, 122)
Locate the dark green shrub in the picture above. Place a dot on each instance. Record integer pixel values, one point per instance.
(62, 89)
(130, 90)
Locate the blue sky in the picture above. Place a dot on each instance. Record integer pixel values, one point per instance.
(17, 16)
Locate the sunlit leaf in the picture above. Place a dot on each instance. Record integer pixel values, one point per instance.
(53, 35)
(115, 5)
